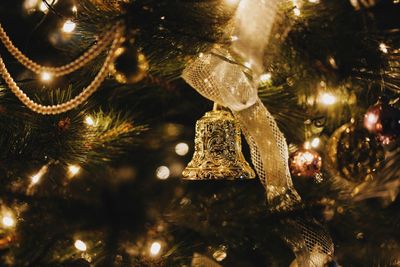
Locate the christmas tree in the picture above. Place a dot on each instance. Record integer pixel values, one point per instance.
(199, 133)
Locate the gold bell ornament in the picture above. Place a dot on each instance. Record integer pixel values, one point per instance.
(218, 149)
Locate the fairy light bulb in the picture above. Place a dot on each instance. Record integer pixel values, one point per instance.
(297, 11)
(327, 99)
(220, 254)
(332, 62)
(38, 176)
(43, 7)
(69, 26)
(155, 248)
(315, 142)
(46, 76)
(307, 145)
(73, 170)
(89, 120)
(74, 9)
(80, 245)
(383, 47)
(30, 5)
(181, 149)
(35, 178)
(163, 172)
(8, 221)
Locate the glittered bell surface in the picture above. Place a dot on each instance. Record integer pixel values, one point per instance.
(218, 149)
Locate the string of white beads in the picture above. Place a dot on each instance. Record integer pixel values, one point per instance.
(79, 99)
(78, 63)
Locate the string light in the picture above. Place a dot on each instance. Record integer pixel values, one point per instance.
(181, 149)
(46, 76)
(30, 5)
(36, 177)
(80, 245)
(163, 172)
(315, 142)
(220, 254)
(327, 99)
(43, 6)
(155, 248)
(69, 26)
(332, 62)
(73, 170)
(74, 9)
(383, 47)
(307, 145)
(296, 11)
(8, 221)
(89, 120)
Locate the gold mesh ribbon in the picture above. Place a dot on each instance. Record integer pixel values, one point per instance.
(218, 77)
(220, 81)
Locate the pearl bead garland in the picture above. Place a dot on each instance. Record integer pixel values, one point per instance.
(78, 63)
(114, 35)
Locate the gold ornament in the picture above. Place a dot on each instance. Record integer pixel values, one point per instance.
(354, 154)
(305, 163)
(130, 65)
(384, 120)
(218, 149)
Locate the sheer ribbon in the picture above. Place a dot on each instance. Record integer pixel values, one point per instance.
(217, 76)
